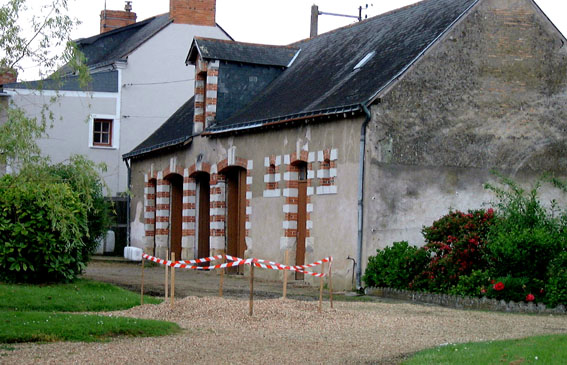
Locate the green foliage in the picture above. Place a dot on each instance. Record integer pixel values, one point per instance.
(556, 287)
(395, 266)
(44, 221)
(539, 349)
(526, 236)
(456, 243)
(474, 284)
(78, 296)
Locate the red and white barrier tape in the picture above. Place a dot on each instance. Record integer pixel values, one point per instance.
(183, 265)
(236, 261)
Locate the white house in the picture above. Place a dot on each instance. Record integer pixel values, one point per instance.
(139, 78)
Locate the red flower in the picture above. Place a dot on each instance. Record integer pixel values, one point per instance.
(499, 286)
(530, 298)
(483, 290)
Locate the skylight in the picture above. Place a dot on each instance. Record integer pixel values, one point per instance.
(363, 61)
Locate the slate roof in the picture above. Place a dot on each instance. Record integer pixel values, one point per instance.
(106, 48)
(322, 79)
(258, 54)
(106, 81)
(176, 130)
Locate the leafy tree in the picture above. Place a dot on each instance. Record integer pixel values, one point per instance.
(34, 37)
(50, 215)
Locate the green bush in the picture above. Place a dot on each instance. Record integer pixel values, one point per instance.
(395, 266)
(46, 215)
(526, 236)
(556, 287)
(35, 247)
(474, 284)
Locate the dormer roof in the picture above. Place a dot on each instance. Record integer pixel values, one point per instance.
(239, 52)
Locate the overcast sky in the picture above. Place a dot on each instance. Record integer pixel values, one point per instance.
(266, 21)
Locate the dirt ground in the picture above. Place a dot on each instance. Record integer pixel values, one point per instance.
(285, 331)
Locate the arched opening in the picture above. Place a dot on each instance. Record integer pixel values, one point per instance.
(236, 214)
(301, 168)
(202, 214)
(151, 214)
(175, 214)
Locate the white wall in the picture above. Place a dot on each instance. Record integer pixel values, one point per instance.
(68, 133)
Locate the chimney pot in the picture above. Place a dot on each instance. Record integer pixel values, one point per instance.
(113, 19)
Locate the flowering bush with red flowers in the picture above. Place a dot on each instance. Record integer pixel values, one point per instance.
(456, 244)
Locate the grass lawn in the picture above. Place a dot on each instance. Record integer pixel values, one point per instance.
(31, 313)
(80, 296)
(550, 349)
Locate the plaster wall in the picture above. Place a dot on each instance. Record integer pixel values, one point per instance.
(492, 94)
(334, 216)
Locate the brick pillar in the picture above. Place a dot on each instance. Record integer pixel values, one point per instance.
(149, 214)
(189, 217)
(211, 92)
(200, 80)
(217, 212)
(162, 215)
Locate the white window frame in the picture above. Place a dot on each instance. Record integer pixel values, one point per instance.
(115, 131)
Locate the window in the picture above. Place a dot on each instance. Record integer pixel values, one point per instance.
(102, 132)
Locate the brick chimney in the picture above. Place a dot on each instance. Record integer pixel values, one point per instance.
(8, 75)
(113, 19)
(197, 12)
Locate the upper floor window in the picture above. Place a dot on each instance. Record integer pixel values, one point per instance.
(102, 132)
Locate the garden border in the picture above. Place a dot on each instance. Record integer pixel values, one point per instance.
(460, 302)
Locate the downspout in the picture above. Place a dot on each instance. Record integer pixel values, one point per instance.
(128, 199)
(361, 194)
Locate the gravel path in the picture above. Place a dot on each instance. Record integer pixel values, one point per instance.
(289, 331)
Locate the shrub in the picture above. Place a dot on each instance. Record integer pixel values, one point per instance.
(395, 266)
(50, 217)
(456, 243)
(36, 246)
(526, 236)
(556, 287)
(474, 284)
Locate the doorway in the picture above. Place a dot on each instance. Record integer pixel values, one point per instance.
(301, 217)
(175, 211)
(236, 214)
(203, 215)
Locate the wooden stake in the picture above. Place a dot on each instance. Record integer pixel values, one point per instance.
(172, 279)
(251, 288)
(286, 262)
(321, 287)
(166, 281)
(142, 289)
(221, 277)
(331, 284)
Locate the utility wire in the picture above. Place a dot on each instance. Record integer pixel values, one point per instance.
(157, 83)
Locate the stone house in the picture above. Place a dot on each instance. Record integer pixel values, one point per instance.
(351, 140)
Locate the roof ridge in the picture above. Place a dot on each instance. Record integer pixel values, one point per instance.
(228, 41)
(93, 38)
